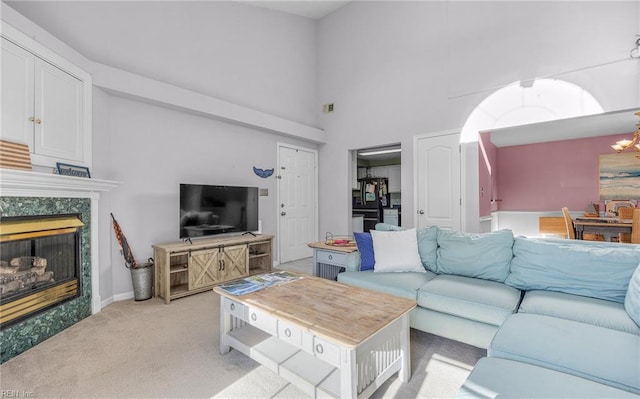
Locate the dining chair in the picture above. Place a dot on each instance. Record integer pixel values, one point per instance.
(635, 226)
(568, 222)
(625, 212)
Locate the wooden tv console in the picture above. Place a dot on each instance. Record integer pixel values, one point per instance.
(183, 268)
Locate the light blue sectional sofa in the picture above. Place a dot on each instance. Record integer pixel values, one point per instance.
(551, 313)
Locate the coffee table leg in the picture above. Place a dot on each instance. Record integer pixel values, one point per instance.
(225, 328)
(348, 375)
(405, 367)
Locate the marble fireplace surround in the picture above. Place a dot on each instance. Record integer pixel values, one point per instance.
(26, 193)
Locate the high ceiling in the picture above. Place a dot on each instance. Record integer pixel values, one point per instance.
(309, 9)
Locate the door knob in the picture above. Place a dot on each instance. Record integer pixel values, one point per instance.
(421, 212)
(283, 213)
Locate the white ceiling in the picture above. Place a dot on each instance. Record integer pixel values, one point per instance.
(309, 9)
(604, 124)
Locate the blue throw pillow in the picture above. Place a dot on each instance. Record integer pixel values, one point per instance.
(632, 299)
(365, 247)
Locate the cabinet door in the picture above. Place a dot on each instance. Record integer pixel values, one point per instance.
(204, 268)
(58, 106)
(235, 262)
(379, 171)
(17, 94)
(394, 178)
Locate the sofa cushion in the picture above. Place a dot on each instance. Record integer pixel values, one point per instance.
(474, 299)
(597, 270)
(632, 299)
(396, 251)
(484, 256)
(579, 308)
(364, 242)
(493, 378)
(404, 285)
(388, 227)
(596, 353)
(428, 246)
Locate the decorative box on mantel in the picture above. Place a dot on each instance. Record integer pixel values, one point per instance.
(26, 194)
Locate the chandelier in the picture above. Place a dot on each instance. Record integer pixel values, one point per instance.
(633, 144)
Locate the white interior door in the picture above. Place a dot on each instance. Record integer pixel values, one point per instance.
(438, 181)
(297, 202)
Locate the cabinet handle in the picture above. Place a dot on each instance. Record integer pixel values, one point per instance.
(233, 306)
(219, 265)
(319, 349)
(223, 265)
(32, 119)
(330, 257)
(254, 317)
(38, 121)
(287, 332)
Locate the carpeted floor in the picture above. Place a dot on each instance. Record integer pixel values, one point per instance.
(151, 350)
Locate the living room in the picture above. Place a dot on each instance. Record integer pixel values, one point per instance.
(203, 92)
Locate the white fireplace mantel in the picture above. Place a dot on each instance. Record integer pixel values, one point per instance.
(15, 182)
(20, 183)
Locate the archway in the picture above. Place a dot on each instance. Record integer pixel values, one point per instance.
(519, 104)
(513, 105)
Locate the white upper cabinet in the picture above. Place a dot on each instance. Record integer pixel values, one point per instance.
(58, 110)
(46, 102)
(17, 94)
(394, 178)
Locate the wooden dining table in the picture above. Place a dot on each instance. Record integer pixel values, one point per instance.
(605, 225)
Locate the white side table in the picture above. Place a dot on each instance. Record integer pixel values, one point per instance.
(329, 261)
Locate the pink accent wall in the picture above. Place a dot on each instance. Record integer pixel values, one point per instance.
(548, 176)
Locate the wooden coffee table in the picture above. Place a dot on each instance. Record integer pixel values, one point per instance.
(325, 337)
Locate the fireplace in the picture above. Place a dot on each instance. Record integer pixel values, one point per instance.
(39, 264)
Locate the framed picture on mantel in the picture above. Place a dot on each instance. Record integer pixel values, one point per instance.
(619, 176)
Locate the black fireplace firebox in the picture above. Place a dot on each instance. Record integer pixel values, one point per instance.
(39, 264)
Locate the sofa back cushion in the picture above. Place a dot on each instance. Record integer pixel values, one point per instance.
(484, 256)
(632, 300)
(428, 246)
(587, 268)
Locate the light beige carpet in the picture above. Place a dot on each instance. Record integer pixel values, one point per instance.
(151, 350)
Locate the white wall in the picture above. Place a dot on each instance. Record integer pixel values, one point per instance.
(250, 56)
(152, 150)
(399, 69)
(264, 61)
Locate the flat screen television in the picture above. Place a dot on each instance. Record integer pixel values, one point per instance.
(207, 210)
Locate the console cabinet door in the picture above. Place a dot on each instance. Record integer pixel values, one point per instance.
(204, 268)
(235, 262)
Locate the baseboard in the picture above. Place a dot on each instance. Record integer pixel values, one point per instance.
(116, 298)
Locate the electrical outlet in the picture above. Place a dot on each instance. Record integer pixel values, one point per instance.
(327, 108)
(264, 192)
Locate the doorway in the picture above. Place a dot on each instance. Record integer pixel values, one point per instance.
(376, 187)
(297, 201)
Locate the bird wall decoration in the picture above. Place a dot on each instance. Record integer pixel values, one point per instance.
(264, 173)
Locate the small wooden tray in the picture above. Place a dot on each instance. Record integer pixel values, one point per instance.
(339, 241)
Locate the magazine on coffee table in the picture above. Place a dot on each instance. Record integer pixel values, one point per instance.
(258, 282)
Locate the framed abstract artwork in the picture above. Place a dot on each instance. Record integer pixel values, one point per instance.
(619, 176)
